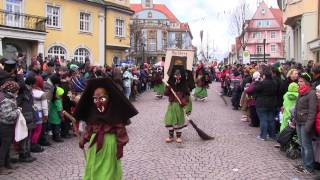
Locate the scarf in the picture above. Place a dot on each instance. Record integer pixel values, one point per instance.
(304, 90)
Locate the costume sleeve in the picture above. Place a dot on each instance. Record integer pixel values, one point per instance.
(122, 139)
(87, 133)
(44, 104)
(167, 91)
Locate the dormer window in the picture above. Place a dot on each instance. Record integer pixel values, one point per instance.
(148, 3)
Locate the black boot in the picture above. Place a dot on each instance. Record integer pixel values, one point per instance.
(36, 148)
(24, 157)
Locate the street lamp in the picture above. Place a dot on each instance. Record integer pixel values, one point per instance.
(143, 45)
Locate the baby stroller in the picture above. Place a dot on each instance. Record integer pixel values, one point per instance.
(289, 142)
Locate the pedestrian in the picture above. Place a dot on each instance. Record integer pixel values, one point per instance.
(9, 113)
(251, 101)
(202, 84)
(127, 82)
(306, 109)
(106, 111)
(266, 104)
(55, 114)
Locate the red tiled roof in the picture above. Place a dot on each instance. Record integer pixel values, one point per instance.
(158, 7)
(277, 14)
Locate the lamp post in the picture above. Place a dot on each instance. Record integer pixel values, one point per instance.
(264, 50)
(142, 61)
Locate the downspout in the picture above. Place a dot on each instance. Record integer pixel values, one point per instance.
(105, 36)
(318, 53)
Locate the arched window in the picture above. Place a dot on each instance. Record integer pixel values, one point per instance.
(81, 54)
(57, 51)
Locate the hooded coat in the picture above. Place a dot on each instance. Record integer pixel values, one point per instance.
(289, 101)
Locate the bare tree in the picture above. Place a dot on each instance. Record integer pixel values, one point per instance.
(238, 17)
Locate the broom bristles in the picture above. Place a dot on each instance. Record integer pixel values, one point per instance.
(201, 133)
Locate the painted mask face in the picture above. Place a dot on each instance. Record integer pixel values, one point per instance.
(101, 99)
(177, 76)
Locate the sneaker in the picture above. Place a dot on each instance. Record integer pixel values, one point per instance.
(277, 145)
(244, 119)
(260, 138)
(179, 140)
(50, 133)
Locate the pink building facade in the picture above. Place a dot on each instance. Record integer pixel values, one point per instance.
(267, 25)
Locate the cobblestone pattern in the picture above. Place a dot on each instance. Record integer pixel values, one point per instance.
(234, 154)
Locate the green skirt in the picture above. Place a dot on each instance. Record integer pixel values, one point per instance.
(104, 164)
(159, 88)
(174, 115)
(188, 107)
(200, 92)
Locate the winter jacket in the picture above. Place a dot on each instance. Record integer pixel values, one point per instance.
(289, 101)
(8, 109)
(306, 109)
(25, 101)
(41, 103)
(265, 92)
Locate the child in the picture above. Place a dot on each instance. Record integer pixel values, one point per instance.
(55, 113)
(289, 101)
(41, 108)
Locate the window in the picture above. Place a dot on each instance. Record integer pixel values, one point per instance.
(273, 35)
(150, 14)
(14, 8)
(273, 48)
(81, 54)
(53, 16)
(119, 27)
(263, 23)
(152, 40)
(164, 40)
(259, 49)
(148, 3)
(179, 40)
(256, 35)
(57, 52)
(85, 19)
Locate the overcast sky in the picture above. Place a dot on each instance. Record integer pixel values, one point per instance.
(212, 16)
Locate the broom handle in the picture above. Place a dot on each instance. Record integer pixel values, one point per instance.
(173, 92)
(73, 120)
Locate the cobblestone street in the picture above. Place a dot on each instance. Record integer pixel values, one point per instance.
(234, 154)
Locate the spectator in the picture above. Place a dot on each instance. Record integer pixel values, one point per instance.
(306, 109)
(265, 104)
(8, 115)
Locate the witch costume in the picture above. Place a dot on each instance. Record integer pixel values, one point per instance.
(106, 111)
(178, 93)
(158, 85)
(202, 83)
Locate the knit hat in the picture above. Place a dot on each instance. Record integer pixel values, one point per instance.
(306, 77)
(74, 67)
(59, 92)
(256, 75)
(10, 86)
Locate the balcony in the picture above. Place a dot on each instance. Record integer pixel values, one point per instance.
(22, 21)
(150, 23)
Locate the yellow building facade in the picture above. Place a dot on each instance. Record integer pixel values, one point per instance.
(118, 16)
(64, 29)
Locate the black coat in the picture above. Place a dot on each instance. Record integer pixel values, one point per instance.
(266, 92)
